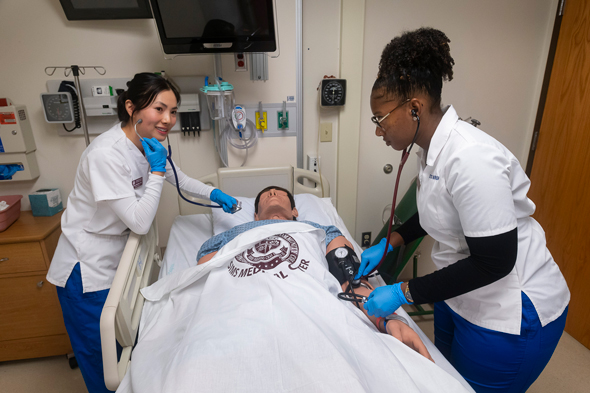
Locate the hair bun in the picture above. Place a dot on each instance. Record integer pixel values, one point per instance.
(415, 61)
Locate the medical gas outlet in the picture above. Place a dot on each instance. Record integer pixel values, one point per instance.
(283, 118)
(261, 123)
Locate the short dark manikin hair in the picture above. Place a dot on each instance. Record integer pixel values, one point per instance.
(278, 189)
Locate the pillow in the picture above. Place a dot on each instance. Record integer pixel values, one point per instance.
(310, 208)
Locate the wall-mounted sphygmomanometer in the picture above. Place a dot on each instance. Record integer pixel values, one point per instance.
(63, 106)
(58, 107)
(333, 92)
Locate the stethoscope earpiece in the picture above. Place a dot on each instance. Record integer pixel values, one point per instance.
(135, 128)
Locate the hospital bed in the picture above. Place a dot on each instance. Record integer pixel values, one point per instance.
(142, 263)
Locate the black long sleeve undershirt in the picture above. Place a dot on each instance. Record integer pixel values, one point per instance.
(411, 229)
(492, 258)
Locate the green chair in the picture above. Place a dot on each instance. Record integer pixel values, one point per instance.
(397, 260)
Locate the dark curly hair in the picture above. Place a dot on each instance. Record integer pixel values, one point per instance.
(142, 91)
(416, 62)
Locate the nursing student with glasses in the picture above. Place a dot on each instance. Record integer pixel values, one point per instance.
(117, 189)
(500, 300)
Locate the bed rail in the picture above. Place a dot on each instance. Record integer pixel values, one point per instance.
(120, 317)
(119, 321)
(248, 181)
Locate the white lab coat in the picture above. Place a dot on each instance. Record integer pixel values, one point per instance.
(111, 168)
(471, 185)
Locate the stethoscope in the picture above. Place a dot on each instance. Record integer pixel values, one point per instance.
(235, 208)
(405, 155)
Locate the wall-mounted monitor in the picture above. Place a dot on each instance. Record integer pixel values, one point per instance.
(215, 26)
(106, 9)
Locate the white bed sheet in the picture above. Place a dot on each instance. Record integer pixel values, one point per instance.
(188, 233)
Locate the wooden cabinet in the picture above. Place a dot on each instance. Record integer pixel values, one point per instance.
(31, 323)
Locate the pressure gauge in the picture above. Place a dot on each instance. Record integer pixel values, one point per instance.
(333, 92)
(341, 252)
(58, 107)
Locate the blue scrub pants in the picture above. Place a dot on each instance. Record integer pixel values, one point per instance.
(492, 361)
(81, 313)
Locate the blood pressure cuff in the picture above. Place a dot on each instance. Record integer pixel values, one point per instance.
(344, 269)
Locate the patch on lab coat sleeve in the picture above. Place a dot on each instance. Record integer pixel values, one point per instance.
(109, 175)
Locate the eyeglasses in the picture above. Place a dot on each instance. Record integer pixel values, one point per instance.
(377, 121)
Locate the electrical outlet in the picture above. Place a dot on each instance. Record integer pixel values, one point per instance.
(366, 242)
(312, 163)
(240, 60)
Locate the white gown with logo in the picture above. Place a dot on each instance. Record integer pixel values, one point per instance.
(263, 316)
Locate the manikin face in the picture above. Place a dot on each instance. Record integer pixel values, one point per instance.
(157, 118)
(398, 128)
(275, 205)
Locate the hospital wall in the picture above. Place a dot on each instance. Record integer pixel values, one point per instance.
(500, 50)
(37, 34)
(499, 47)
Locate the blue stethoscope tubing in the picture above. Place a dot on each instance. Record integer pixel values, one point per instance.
(169, 158)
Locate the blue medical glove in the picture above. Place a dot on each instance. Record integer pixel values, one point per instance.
(385, 300)
(371, 258)
(226, 201)
(155, 153)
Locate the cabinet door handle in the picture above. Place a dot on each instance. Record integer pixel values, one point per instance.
(4, 259)
(40, 284)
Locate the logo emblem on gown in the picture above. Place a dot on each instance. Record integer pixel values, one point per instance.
(271, 252)
(268, 254)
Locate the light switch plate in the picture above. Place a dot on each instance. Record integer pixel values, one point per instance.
(326, 132)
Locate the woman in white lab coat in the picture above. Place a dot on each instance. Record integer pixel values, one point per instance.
(117, 189)
(500, 299)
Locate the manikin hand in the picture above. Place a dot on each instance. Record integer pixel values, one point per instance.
(408, 336)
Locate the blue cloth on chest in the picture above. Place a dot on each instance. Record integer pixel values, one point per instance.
(218, 241)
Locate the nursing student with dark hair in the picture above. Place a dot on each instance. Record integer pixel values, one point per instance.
(500, 298)
(117, 189)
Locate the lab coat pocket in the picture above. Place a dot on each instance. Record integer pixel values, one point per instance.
(433, 204)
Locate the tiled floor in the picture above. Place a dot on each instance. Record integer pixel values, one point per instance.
(568, 371)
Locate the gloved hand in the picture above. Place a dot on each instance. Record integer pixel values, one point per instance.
(371, 258)
(226, 201)
(155, 153)
(385, 300)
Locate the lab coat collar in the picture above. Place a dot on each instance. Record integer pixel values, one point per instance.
(441, 134)
(130, 145)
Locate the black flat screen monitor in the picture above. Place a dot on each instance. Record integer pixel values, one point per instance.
(106, 9)
(215, 26)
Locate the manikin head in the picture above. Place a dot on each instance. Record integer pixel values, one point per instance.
(275, 203)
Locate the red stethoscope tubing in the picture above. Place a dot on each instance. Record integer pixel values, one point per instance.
(405, 155)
